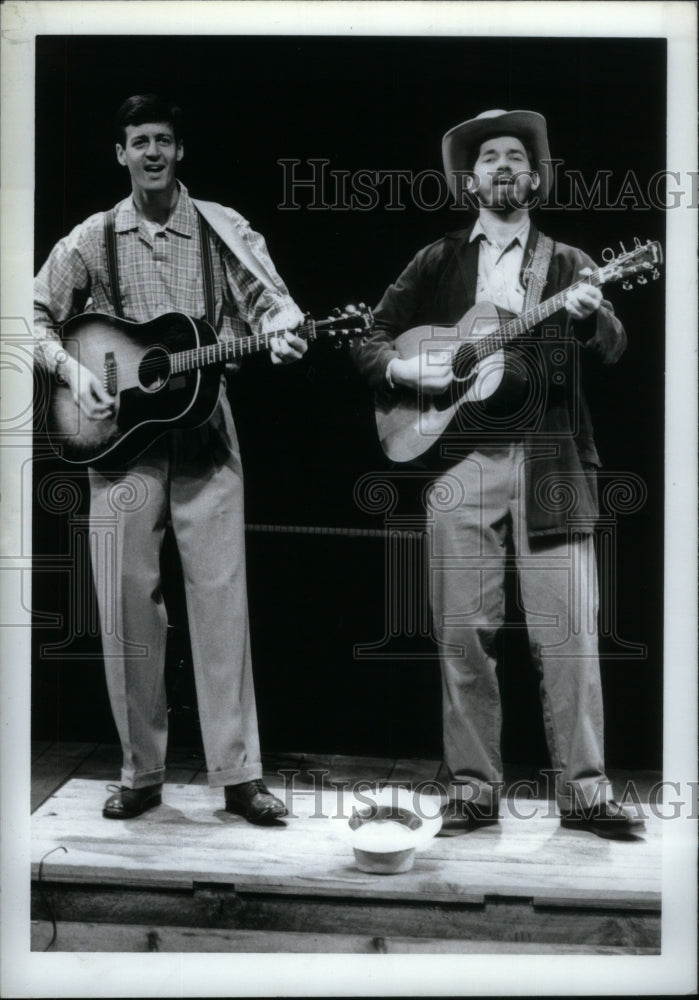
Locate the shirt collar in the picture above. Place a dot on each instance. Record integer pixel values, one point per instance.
(520, 236)
(181, 221)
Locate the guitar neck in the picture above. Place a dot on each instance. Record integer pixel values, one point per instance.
(518, 325)
(234, 349)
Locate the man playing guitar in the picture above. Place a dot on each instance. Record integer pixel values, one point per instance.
(506, 470)
(151, 255)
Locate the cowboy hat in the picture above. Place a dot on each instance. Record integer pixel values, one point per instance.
(386, 826)
(463, 140)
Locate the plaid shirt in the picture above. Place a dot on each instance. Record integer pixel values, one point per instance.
(158, 272)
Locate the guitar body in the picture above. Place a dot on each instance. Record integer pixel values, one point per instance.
(133, 360)
(409, 423)
(499, 385)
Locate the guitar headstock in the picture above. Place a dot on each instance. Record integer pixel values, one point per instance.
(640, 263)
(345, 324)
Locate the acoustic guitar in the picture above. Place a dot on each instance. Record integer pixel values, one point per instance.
(163, 374)
(490, 376)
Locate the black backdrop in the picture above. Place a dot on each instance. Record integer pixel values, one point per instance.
(306, 432)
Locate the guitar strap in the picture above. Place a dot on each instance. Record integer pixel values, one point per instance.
(537, 270)
(207, 269)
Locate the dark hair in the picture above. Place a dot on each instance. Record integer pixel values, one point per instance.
(474, 152)
(142, 108)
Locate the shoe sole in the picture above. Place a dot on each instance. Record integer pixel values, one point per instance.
(457, 830)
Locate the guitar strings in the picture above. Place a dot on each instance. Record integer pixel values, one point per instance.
(514, 327)
(229, 350)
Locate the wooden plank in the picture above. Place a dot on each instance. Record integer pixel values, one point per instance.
(88, 937)
(53, 767)
(141, 867)
(514, 921)
(429, 880)
(640, 901)
(129, 938)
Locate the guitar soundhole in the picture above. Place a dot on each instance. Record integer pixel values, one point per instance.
(154, 369)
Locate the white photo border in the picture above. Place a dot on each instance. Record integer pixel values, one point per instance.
(42, 975)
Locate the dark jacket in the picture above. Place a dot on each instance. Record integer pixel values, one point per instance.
(438, 287)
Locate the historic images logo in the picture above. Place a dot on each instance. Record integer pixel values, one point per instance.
(313, 185)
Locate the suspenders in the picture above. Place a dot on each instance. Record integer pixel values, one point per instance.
(112, 267)
(207, 269)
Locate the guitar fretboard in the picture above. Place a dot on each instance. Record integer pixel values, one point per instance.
(231, 350)
(518, 325)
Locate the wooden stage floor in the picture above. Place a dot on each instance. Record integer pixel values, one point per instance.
(188, 876)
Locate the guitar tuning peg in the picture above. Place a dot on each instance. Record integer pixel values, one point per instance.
(637, 243)
(623, 248)
(626, 285)
(608, 255)
(641, 280)
(656, 274)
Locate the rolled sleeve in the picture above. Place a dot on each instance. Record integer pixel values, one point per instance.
(265, 309)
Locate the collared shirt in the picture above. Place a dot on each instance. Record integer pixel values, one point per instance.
(159, 271)
(499, 268)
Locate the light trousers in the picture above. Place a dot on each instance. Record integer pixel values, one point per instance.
(192, 478)
(476, 510)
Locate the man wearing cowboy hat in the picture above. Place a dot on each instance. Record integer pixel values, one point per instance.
(504, 480)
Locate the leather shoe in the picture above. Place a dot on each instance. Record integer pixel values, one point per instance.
(606, 819)
(255, 802)
(464, 817)
(129, 802)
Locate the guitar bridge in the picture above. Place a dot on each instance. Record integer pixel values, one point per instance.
(109, 380)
